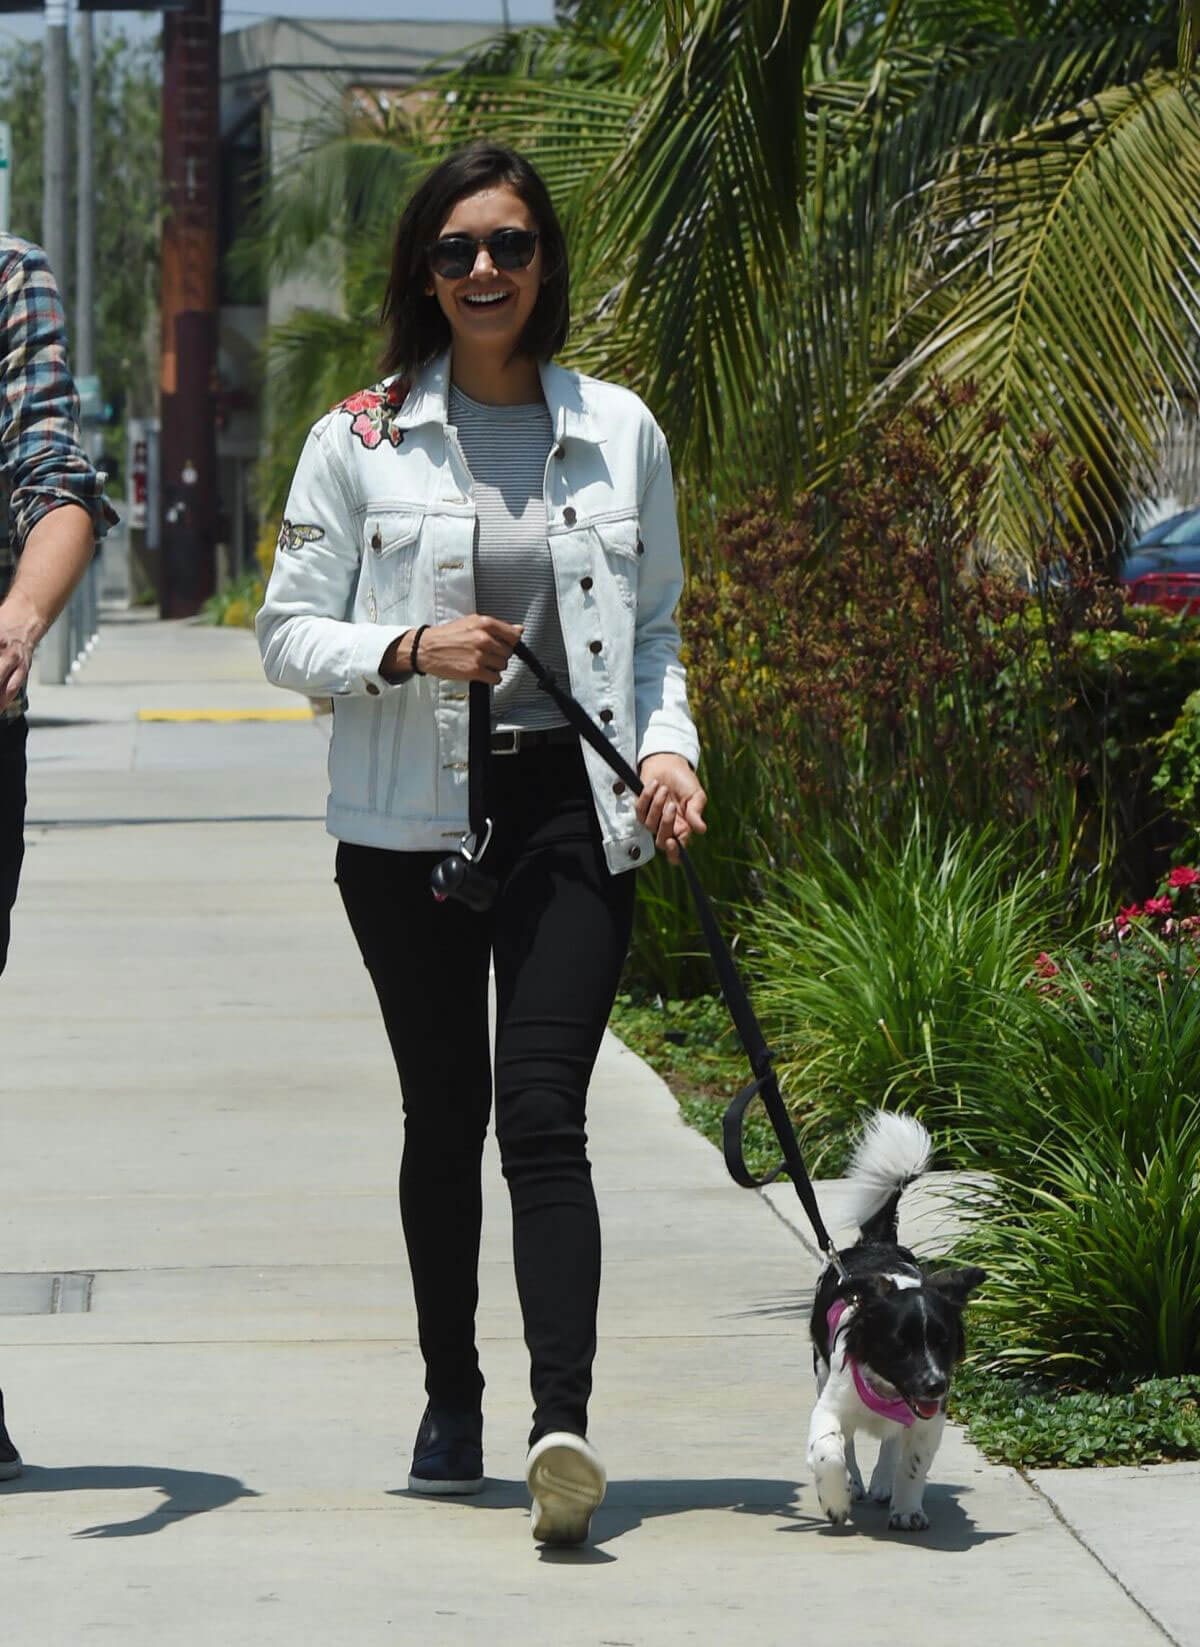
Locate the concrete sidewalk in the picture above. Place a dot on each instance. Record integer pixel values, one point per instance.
(200, 1119)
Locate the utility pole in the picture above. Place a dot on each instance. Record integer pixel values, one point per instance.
(191, 175)
(55, 206)
(56, 652)
(84, 350)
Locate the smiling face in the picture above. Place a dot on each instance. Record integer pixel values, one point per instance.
(488, 307)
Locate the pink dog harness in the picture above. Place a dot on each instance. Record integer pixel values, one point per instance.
(895, 1408)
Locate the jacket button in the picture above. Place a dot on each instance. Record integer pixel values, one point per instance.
(641, 547)
(619, 787)
(372, 689)
(635, 851)
(569, 515)
(585, 583)
(376, 540)
(595, 646)
(606, 716)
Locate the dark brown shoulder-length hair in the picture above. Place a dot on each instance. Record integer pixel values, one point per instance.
(418, 331)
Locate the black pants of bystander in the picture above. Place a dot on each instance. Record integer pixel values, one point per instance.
(12, 820)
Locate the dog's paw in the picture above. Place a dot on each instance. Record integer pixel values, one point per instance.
(834, 1498)
(880, 1495)
(908, 1521)
(857, 1491)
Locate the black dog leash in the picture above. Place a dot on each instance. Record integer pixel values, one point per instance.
(765, 1083)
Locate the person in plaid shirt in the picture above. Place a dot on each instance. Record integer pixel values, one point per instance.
(52, 511)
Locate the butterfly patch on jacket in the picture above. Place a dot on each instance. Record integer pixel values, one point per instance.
(292, 536)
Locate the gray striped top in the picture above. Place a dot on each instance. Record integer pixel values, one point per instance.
(506, 448)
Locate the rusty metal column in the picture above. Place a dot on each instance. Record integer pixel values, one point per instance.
(191, 179)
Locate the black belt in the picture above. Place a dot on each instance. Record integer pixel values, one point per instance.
(515, 738)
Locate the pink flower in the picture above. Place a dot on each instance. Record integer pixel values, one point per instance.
(1157, 906)
(1045, 967)
(1129, 913)
(363, 401)
(1183, 877)
(370, 436)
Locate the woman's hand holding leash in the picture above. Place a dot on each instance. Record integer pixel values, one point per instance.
(671, 804)
(475, 648)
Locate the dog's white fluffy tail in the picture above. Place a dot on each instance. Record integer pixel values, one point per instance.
(893, 1150)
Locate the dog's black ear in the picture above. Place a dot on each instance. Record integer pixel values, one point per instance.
(871, 1285)
(958, 1284)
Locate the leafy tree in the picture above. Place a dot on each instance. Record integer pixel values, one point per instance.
(128, 98)
(786, 217)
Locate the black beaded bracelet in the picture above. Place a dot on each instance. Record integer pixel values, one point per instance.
(412, 656)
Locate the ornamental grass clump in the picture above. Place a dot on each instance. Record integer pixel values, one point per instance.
(895, 981)
(1091, 1136)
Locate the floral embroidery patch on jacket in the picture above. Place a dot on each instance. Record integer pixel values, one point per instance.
(372, 412)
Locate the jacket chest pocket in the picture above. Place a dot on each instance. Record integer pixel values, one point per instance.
(622, 551)
(391, 543)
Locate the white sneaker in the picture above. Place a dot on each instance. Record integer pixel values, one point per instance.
(567, 1481)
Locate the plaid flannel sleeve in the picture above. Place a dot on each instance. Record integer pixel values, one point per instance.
(42, 465)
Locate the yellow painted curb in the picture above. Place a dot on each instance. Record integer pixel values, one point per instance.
(225, 715)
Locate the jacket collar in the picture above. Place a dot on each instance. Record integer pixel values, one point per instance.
(428, 400)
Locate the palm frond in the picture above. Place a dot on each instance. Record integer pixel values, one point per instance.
(1072, 300)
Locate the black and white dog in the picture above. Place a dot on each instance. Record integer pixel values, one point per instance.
(885, 1340)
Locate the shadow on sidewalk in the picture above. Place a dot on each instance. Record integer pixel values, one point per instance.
(628, 1504)
(951, 1530)
(188, 1493)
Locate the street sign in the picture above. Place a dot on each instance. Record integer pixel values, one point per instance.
(5, 175)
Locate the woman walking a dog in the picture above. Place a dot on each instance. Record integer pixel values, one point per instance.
(479, 495)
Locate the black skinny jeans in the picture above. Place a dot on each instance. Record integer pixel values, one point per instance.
(559, 930)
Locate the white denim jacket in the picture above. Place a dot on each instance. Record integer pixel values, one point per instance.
(378, 537)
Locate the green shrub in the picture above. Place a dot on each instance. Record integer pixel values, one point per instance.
(236, 606)
(855, 640)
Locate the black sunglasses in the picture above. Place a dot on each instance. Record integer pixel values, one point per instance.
(454, 255)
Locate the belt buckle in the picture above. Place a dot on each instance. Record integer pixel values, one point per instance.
(513, 732)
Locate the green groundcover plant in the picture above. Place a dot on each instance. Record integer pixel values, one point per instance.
(1028, 1421)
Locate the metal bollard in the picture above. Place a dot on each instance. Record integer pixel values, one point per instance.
(73, 633)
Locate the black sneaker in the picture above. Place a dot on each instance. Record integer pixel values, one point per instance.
(448, 1453)
(10, 1458)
